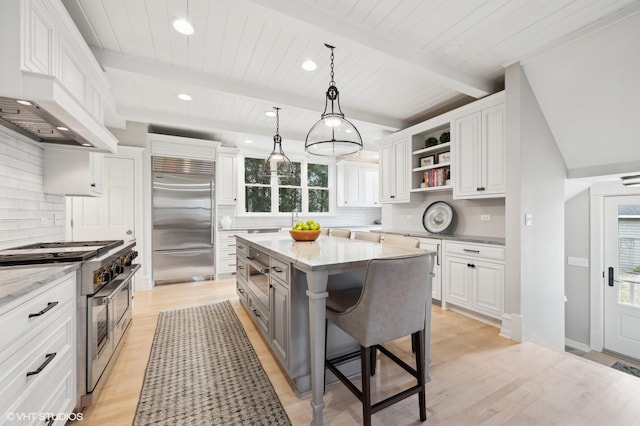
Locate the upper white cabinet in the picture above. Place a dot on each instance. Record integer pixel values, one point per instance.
(478, 152)
(357, 184)
(394, 171)
(73, 172)
(227, 176)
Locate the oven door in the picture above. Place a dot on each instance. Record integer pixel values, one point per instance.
(109, 317)
(259, 283)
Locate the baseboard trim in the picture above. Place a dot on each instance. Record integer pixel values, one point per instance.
(577, 345)
(511, 327)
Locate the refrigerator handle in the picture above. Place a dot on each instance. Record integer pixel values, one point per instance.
(213, 215)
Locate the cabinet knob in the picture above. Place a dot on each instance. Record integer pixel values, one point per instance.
(93, 185)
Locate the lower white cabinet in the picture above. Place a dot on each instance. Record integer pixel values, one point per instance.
(226, 247)
(473, 277)
(38, 355)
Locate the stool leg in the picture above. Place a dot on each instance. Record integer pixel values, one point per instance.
(418, 339)
(374, 357)
(365, 360)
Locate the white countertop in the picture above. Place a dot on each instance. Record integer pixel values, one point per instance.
(17, 281)
(326, 251)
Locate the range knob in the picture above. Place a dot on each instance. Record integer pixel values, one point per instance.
(105, 277)
(119, 269)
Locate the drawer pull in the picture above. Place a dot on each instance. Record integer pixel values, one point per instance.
(278, 270)
(471, 265)
(50, 306)
(471, 251)
(240, 247)
(48, 359)
(256, 313)
(240, 267)
(241, 291)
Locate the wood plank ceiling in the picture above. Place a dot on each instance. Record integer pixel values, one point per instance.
(397, 61)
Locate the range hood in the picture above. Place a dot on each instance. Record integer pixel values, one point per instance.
(47, 113)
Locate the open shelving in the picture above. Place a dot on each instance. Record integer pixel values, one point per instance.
(435, 175)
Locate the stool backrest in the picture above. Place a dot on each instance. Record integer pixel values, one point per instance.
(367, 236)
(342, 233)
(399, 240)
(393, 299)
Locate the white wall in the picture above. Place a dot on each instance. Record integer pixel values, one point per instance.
(27, 214)
(576, 234)
(408, 216)
(534, 160)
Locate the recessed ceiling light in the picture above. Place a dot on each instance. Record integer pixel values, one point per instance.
(248, 141)
(21, 102)
(182, 26)
(270, 114)
(309, 65)
(184, 96)
(64, 129)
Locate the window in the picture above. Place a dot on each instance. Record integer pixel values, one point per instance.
(306, 192)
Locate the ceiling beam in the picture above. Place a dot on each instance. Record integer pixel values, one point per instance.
(131, 64)
(392, 52)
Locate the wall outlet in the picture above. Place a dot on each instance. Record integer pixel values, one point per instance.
(485, 218)
(528, 219)
(578, 261)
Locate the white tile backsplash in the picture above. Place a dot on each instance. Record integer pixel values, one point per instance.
(27, 214)
(353, 216)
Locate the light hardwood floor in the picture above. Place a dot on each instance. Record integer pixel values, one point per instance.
(477, 377)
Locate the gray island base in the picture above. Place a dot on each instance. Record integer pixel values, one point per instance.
(283, 285)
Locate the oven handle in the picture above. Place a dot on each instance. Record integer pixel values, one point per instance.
(107, 299)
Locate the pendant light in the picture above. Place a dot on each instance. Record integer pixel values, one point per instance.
(333, 135)
(277, 163)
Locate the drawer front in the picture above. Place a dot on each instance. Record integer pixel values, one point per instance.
(35, 358)
(37, 312)
(241, 290)
(242, 270)
(242, 248)
(475, 250)
(259, 317)
(227, 262)
(227, 241)
(280, 270)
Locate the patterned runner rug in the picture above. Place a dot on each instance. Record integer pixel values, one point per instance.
(203, 371)
(626, 368)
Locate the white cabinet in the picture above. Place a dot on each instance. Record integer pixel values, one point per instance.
(227, 177)
(478, 152)
(227, 251)
(38, 352)
(73, 172)
(358, 185)
(473, 277)
(394, 171)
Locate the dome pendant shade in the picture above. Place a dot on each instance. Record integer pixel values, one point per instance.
(333, 135)
(277, 163)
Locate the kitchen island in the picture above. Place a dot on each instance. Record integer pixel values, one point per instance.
(306, 269)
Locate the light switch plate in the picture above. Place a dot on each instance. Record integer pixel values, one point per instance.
(528, 219)
(485, 218)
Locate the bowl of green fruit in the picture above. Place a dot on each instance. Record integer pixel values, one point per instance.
(305, 231)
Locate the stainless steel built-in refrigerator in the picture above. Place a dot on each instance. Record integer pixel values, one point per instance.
(183, 220)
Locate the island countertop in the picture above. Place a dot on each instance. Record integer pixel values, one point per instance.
(326, 251)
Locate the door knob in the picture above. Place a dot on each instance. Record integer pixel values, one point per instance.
(129, 232)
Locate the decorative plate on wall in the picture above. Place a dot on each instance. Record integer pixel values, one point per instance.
(438, 218)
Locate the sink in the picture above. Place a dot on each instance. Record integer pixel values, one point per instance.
(263, 230)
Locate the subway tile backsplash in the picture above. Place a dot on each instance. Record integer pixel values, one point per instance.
(27, 214)
(353, 216)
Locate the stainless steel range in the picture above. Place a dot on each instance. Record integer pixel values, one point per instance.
(105, 292)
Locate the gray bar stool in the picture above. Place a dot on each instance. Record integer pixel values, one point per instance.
(400, 240)
(367, 236)
(342, 233)
(390, 305)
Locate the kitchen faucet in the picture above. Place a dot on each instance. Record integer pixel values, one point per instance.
(294, 212)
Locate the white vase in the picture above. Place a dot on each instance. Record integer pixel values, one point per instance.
(225, 222)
